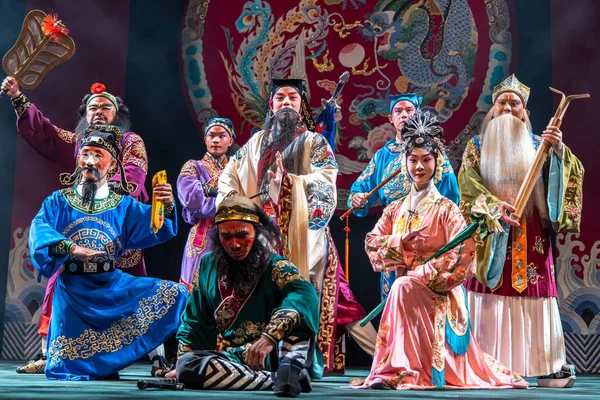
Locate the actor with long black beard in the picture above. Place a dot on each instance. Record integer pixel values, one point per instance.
(248, 303)
(61, 146)
(77, 236)
(293, 172)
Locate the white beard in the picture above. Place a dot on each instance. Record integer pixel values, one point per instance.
(506, 154)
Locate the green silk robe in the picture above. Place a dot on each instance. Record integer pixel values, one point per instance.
(564, 182)
(283, 303)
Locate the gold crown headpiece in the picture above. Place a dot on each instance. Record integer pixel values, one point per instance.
(511, 84)
(235, 213)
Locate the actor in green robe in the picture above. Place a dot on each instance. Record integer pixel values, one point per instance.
(513, 301)
(246, 304)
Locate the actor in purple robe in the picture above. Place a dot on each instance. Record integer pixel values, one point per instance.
(197, 192)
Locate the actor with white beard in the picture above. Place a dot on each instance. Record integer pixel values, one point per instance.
(513, 301)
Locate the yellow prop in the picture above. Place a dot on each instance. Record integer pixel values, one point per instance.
(158, 208)
(43, 44)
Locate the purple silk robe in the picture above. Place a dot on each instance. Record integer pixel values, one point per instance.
(198, 210)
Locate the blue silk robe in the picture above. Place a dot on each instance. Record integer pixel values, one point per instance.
(101, 322)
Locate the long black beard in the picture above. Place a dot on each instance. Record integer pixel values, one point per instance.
(240, 274)
(88, 192)
(284, 120)
(285, 123)
(90, 187)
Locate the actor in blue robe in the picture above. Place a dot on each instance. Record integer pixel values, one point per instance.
(102, 319)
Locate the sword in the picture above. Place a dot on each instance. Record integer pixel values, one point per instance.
(338, 89)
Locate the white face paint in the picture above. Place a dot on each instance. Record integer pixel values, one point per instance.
(96, 157)
(90, 158)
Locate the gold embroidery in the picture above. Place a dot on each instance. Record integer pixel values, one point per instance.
(121, 332)
(470, 156)
(169, 209)
(21, 104)
(382, 334)
(214, 167)
(328, 302)
(281, 324)
(100, 205)
(129, 259)
(572, 202)
(189, 169)
(195, 280)
(227, 312)
(539, 245)
(532, 274)
(95, 239)
(438, 344)
(519, 257)
(285, 272)
(134, 152)
(247, 332)
(285, 212)
(65, 135)
(192, 251)
(339, 362)
(105, 224)
(61, 248)
(183, 348)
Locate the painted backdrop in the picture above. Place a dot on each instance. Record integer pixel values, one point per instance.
(178, 63)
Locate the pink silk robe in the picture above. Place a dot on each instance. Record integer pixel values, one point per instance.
(424, 339)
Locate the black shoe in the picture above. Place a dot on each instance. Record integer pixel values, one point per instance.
(160, 367)
(287, 381)
(305, 382)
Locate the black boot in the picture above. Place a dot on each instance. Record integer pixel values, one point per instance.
(287, 381)
(305, 382)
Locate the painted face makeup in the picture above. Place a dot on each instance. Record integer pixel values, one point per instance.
(420, 164)
(217, 141)
(95, 161)
(509, 103)
(100, 111)
(237, 237)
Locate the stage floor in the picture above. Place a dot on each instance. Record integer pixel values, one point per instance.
(18, 386)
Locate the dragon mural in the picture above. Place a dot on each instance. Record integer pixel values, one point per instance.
(270, 50)
(424, 46)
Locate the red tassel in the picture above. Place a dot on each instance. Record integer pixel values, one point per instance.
(51, 26)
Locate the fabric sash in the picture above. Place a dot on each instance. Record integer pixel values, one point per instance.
(233, 302)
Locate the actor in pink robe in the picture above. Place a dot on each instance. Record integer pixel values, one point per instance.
(424, 339)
